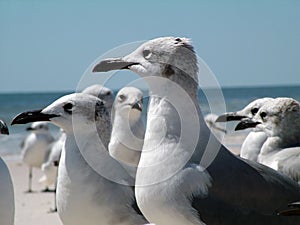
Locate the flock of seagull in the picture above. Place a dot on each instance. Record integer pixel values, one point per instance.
(110, 169)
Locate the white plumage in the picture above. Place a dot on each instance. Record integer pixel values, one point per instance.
(35, 147)
(85, 195)
(128, 130)
(172, 187)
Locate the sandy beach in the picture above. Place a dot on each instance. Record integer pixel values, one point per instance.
(31, 208)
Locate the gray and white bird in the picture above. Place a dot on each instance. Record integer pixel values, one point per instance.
(185, 176)
(101, 92)
(85, 193)
(7, 201)
(280, 120)
(35, 147)
(49, 167)
(254, 141)
(128, 130)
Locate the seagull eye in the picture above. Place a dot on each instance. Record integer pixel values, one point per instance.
(254, 111)
(122, 98)
(68, 108)
(146, 54)
(263, 115)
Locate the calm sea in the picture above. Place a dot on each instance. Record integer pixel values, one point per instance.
(235, 99)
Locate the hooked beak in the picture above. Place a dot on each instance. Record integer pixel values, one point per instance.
(3, 128)
(32, 116)
(246, 123)
(232, 116)
(113, 64)
(137, 106)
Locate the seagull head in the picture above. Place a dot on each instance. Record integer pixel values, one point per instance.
(278, 117)
(129, 103)
(101, 92)
(3, 128)
(164, 56)
(80, 109)
(247, 112)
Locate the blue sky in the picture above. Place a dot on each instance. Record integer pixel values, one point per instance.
(47, 45)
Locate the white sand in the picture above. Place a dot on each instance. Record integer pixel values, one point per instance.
(31, 208)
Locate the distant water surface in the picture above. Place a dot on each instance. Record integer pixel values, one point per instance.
(14, 103)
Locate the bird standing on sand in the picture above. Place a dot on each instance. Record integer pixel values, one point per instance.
(7, 201)
(172, 186)
(35, 147)
(85, 195)
(49, 167)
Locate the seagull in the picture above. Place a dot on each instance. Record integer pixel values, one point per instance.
(7, 202)
(35, 147)
(252, 144)
(279, 119)
(185, 176)
(128, 130)
(86, 193)
(101, 92)
(49, 167)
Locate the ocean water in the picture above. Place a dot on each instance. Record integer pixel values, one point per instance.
(235, 99)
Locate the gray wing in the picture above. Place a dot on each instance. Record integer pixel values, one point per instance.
(245, 192)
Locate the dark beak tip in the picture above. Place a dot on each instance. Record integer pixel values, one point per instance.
(137, 106)
(238, 127)
(14, 121)
(96, 68)
(246, 124)
(31, 116)
(221, 118)
(241, 126)
(5, 131)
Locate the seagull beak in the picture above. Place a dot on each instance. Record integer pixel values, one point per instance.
(232, 116)
(137, 106)
(113, 64)
(246, 123)
(3, 128)
(32, 116)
